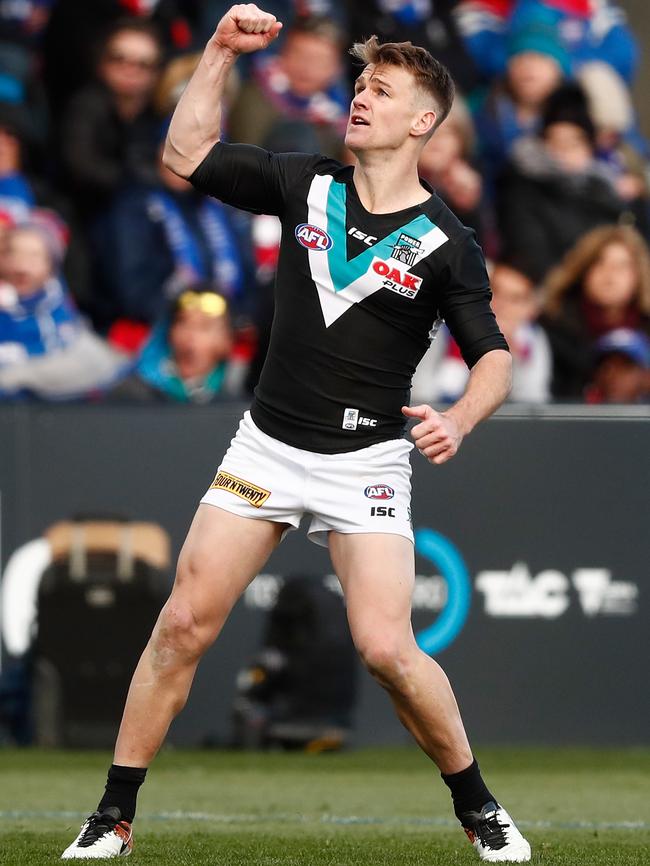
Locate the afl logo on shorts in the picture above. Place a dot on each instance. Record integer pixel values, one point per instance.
(379, 491)
(313, 238)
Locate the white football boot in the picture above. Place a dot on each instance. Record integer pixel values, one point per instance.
(101, 837)
(495, 836)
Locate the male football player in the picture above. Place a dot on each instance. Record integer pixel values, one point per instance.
(370, 261)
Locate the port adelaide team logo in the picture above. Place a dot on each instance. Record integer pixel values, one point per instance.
(379, 491)
(406, 250)
(313, 238)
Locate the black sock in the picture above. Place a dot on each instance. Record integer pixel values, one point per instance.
(122, 787)
(468, 790)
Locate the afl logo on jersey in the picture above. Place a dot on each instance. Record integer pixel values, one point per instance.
(313, 238)
(379, 491)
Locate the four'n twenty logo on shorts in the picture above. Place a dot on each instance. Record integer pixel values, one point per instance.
(257, 496)
(379, 491)
(313, 238)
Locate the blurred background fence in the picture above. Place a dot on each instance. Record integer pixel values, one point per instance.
(532, 558)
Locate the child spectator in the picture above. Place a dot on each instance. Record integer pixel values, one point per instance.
(303, 82)
(110, 131)
(622, 369)
(187, 358)
(536, 65)
(554, 189)
(45, 348)
(602, 285)
(442, 374)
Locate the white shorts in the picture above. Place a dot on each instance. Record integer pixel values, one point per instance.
(368, 490)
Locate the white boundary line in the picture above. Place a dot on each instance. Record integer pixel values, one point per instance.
(358, 820)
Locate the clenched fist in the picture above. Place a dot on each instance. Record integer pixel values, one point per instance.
(246, 28)
(437, 436)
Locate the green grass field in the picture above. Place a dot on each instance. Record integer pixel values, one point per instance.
(364, 808)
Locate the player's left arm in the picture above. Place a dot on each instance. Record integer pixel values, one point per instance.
(465, 306)
(439, 434)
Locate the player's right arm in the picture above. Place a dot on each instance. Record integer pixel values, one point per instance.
(196, 124)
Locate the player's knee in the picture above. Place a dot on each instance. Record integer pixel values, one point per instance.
(178, 638)
(388, 660)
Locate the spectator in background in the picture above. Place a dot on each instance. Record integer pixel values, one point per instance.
(45, 348)
(429, 23)
(187, 358)
(212, 11)
(554, 189)
(622, 369)
(22, 190)
(157, 239)
(619, 144)
(589, 30)
(302, 83)
(22, 26)
(16, 193)
(77, 27)
(536, 65)
(110, 131)
(442, 374)
(602, 285)
(173, 79)
(446, 163)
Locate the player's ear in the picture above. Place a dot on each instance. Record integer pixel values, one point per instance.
(423, 123)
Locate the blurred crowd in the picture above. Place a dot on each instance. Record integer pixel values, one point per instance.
(118, 281)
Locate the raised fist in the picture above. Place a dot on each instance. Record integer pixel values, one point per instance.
(246, 28)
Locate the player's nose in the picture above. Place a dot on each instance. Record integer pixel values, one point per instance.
(359, 102)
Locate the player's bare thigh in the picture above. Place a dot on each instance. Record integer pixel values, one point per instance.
(377, 573)
(221, 555)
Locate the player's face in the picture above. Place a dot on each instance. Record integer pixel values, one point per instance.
(384, 111)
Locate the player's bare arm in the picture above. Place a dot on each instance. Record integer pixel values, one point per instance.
(196, 124)
(439, 434)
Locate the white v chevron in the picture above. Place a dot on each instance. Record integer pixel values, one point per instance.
(329, 214)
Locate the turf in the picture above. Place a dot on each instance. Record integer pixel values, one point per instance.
(365, 808)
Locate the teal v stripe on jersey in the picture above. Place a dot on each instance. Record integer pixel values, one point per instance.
(344, 272)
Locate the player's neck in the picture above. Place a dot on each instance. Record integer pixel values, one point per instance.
(387, 185)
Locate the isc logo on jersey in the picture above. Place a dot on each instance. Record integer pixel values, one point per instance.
(397, 279)
(313, 238)
(379, 491)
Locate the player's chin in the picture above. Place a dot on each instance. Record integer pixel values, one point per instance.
(355, 139)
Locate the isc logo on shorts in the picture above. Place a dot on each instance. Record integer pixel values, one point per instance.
(379, 491)
(313, 238)
(257, 496)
